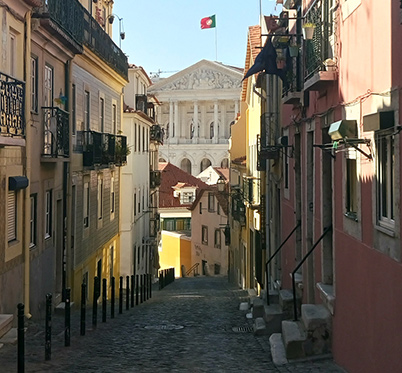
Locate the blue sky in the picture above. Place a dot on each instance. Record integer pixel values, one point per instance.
(166, 34)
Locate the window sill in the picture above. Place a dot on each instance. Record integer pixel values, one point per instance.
(387, 231)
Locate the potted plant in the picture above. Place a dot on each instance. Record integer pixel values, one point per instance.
(293, 50)
(308, 31)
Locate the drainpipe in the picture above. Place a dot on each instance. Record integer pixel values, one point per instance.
(267, 172)
(27, 191)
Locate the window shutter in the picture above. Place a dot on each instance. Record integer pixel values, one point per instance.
(11, 216)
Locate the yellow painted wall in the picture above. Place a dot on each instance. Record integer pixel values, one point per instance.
(175, 252)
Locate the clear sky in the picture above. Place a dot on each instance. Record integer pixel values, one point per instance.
(166, 34)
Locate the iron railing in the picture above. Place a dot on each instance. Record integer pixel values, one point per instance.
(81, 26)
(318, 49)
(154, 179)
(56, 135)
(156, 133)
(12, 101)
(103, 149)
(238, 208)
(274, 255)
(326, 230)
(251, 190)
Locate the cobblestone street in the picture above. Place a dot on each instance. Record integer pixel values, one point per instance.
(189, 326)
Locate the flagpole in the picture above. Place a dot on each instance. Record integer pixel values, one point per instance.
(216, 44)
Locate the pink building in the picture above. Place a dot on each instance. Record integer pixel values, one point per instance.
(341, 175)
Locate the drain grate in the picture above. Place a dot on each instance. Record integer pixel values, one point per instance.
(164, 327)
(243, 329)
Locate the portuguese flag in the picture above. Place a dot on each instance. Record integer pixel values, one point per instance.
(208, 22)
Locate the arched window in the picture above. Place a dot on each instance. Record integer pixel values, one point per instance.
(162, 160)
(185, 165)
(211, 130)
(205, 163)
(225, 163)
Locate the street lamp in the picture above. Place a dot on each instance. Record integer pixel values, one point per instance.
(122, 34)
(221, 184)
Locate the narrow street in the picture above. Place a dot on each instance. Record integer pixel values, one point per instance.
(189, 326)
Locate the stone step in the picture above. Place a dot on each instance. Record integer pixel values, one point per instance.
(6, 323)
(10, 337)
(315, 316)
(243, 306)
(273, 317)
(294, 337)
(278, 352)
(257, 308)
(286, 302)
(273, 296)
(259, 326)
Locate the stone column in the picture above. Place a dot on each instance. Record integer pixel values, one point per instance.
(224, 130)
(216, 135)
(170, 119)
(195, 121)
(176, 120)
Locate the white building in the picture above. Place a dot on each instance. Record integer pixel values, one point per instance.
(198, 105)
(140, 178)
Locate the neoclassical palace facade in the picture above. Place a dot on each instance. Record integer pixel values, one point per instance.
(197, 107)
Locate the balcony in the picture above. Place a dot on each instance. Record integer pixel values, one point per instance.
(319, 72)
(141, 103)
(238, 209)
(154, 179)
(292, 89)
(103, 149)
(70, 22)
(12, 118)
(56, 133)
(251, 190)
(156, 133)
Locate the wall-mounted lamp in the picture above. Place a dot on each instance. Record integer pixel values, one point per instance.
(122, 34)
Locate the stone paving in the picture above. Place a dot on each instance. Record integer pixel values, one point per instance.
(192, 325)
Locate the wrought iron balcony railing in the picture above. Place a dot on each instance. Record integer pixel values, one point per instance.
(78, 23)
(238, 208)
(12, 118)
(156, 133)
(56, 139)
(141, 103)
(318, 49)
(103, 149)
(155, 179)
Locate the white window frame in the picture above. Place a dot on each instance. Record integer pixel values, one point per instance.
(34, 84)
(48, 214)
(87, 110)
(48, 86)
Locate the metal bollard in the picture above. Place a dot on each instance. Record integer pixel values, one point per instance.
(67, 321)
(83, 307)
(141, 286)
(132, 291)
(136, 289)
(21, 341)
(48, 327)
(121, 295)
(127, 292)
(113, 283)
(146, 279)
(95, 303)
(104, 299)
(150, 285)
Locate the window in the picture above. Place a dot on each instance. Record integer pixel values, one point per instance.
(385, 179)
(139, 201)
(74, 108)
(211, 130)
(351, 188)
(13, 53)
(48, 86)
(12, 215)
(218, 208)
(114, 119)
(135, 137)
(135, 204)
(48, 214)
(102, 114)
(186, 197)
(143, 139)
(200, 208)
(34, 84)
(32, 221)
(204, 234)
(211, 202)
(112, 195)
(139, 138)
(100, 197)
(86, 205)
(87, 102)
(217, 239)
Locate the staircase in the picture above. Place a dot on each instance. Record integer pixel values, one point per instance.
(7, 333)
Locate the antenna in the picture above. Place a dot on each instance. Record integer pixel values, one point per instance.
(159, 72)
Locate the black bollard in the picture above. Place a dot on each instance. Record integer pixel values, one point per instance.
(67, 321)
(21, 336)
(132, 291)
(48, 327)
(127, 292)
(121, 295)
(83, 307)
(137, 285)
(150, 285)
(145, 286)
(141, 288)
(104, 299)
(113, 283)
(95, 302)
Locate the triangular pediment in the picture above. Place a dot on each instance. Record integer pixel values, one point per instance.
(204, 75)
